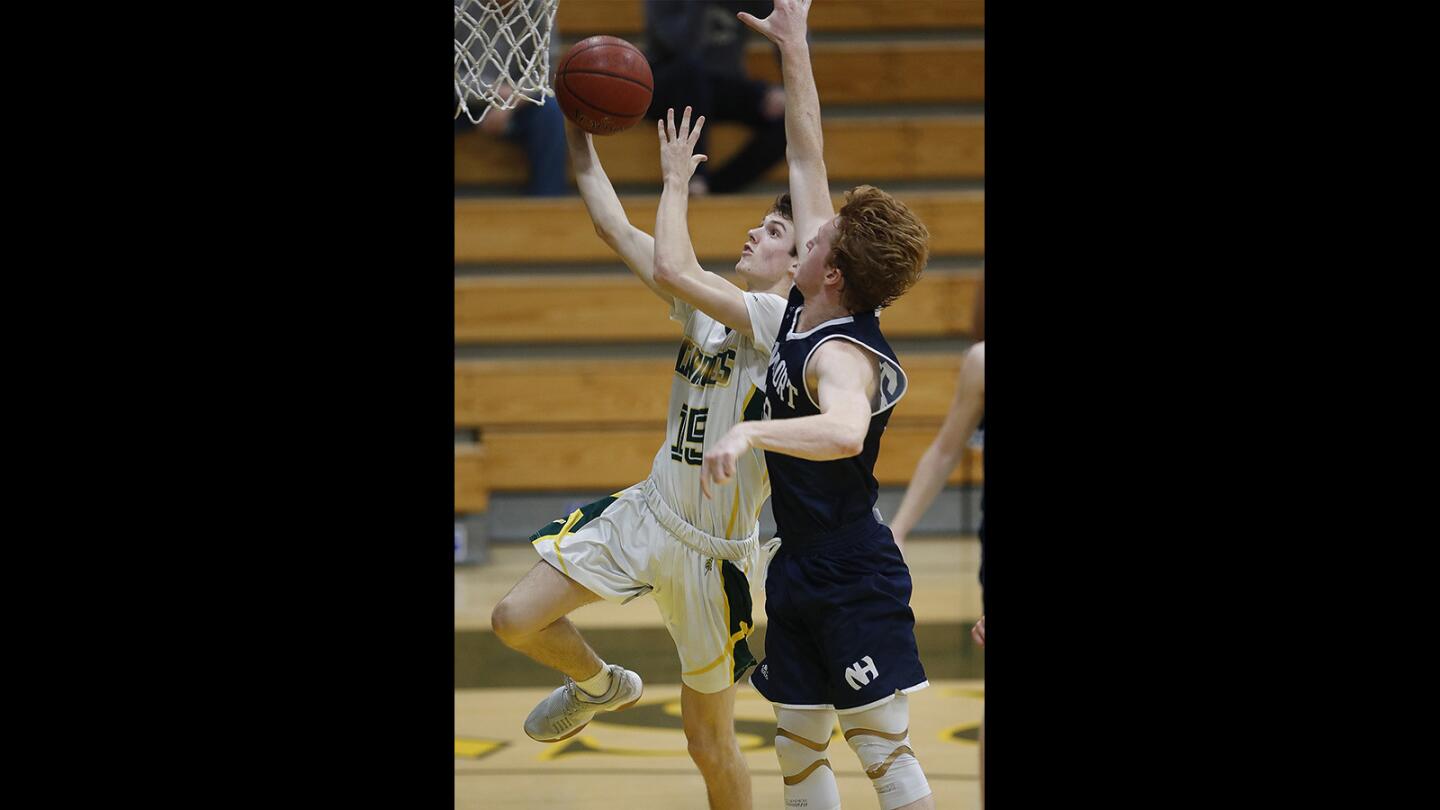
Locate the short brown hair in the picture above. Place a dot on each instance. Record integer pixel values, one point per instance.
(782, 207)
(880, 248)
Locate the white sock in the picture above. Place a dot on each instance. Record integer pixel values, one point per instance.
(598, 685)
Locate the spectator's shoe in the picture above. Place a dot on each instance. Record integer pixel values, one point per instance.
(568, 709)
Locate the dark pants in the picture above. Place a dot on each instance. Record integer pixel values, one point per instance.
(719, 97)
(541, 132)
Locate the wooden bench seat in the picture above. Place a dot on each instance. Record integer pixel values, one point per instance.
(615, 307)
(546, 425)
(857, 150)
(871, 73)
(472, 494)
(626, 392)
(577, 19)
(559, 460)
(530, 230)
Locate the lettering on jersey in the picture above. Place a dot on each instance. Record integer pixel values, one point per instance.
(701, 369)
(689, 445)
(780, 382)
(889, 384)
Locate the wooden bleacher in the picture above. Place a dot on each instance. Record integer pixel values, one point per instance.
(472, 494)
(507, 309)
(556, 230)
(577, 19)
(631, 391)
(594, 423)
(559, 460)
(850, 73)
(950, 147)
(558, 425)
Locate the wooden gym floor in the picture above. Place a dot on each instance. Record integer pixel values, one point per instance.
(637, 757)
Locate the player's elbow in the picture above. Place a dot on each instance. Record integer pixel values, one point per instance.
(608, 231)
(666, 274)
(850, 441)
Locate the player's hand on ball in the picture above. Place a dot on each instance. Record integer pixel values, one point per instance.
(785, 24)
(720, 460)
(677, 146)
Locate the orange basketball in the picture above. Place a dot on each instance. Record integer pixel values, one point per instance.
(604, 85)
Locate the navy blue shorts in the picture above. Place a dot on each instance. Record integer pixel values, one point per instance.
(841, 633)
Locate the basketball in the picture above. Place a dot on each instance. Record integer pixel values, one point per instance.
(603, 84)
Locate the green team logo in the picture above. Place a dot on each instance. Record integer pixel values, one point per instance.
(701, 369)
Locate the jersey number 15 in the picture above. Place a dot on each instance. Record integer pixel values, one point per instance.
(689, 445)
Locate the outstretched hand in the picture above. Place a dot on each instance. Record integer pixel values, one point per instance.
(785, 24)
(677, 161)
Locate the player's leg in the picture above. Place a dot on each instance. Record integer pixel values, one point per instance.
(880, 737)
(802, 737)
(531, 620)
(583, 559)
(706, 604)
(793, 675)
(873, 662)
(709, 722)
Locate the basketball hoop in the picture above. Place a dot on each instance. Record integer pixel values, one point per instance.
(502, 54)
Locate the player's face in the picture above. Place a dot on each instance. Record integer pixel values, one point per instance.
(811, 275)
(765, 257)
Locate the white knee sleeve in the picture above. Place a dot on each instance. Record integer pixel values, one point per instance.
(881, 738)
(801, 737)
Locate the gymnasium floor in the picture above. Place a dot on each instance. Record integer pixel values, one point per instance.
(638, 756)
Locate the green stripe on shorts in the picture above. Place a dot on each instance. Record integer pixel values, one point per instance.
(737, 591)
(588, 512)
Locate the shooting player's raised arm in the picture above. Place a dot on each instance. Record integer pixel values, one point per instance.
(635, 247)
(677, 271)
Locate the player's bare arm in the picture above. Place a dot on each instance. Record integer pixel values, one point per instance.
(805, 144)
(949, 445)
(677, 271)
(844, 379)
(635, 247)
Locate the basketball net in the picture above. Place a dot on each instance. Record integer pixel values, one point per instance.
(502, 54)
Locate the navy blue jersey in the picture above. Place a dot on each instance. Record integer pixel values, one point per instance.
(811, 499)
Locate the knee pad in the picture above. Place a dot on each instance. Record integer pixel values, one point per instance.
(880, 737)
(801, 737)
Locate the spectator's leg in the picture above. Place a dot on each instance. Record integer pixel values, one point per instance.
(743, 100)
(680, 83)
(541, 130)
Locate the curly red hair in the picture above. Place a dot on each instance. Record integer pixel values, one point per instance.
(880, 248)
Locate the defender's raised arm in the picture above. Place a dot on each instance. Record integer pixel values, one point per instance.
(805, 143)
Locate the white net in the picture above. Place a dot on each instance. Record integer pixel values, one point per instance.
(502, 54)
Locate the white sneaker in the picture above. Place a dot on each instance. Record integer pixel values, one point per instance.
(568, 709)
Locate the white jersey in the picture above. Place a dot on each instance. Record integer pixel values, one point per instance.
(719, 381)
